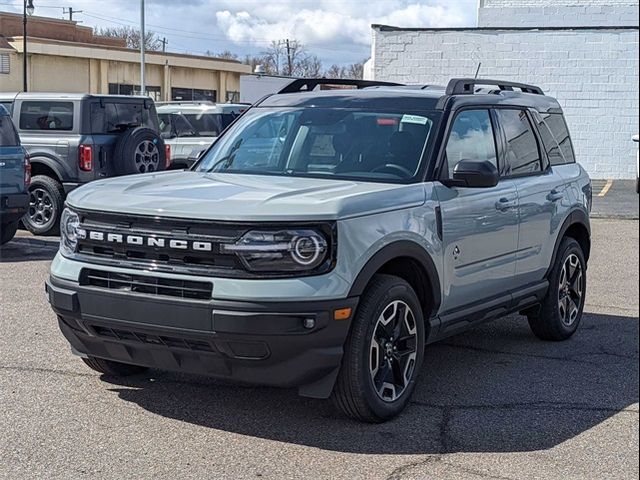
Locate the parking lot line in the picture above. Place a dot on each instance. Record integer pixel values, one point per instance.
(606, 188)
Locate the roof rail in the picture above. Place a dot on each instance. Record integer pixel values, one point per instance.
(308, 84)
(465, 86)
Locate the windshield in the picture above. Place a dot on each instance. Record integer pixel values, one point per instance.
(194, 124)
(320, 142)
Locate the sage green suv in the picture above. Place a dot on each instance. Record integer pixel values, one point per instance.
(328, 236)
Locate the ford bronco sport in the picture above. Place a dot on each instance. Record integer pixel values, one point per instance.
(328, 236)
(73, 139)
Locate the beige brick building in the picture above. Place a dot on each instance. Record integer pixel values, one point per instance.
(63, 56)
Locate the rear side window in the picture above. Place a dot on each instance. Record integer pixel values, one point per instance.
(471, 138)
(46, 116)
(8, 135)
(116, 117)
(522, 155)
(550, 144)
(560, 131)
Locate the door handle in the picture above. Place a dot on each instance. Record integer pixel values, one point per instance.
(505, 204)
(555, 196)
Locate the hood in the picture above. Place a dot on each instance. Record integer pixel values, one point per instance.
(235, 197)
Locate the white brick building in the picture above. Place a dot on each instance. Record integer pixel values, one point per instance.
(583, 52)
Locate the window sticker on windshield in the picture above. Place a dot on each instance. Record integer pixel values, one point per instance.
(417, 119)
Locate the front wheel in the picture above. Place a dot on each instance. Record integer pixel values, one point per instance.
(383, 352)
(561, 310)
(46, 202)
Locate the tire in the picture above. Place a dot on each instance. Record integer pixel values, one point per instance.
(139, 150)
(561, 310)
(114, 369)
(360, 391)
(7, 232)
(46, 202)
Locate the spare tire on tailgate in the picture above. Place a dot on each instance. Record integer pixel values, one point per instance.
(139, 150)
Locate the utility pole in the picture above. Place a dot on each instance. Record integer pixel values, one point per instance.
(289, 59)
(164, 42)
(71, 11)
(143, 87)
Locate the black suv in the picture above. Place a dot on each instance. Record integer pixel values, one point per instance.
(73, 139)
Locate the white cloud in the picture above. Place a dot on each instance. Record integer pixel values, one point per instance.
(339, 31)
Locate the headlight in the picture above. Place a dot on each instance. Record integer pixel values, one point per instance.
(281, 251)
(70, 232)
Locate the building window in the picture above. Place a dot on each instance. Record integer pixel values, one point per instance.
(233, 97)
(193, 94)
(4, 63)
(128, 89)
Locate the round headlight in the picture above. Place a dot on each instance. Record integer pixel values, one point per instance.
(283, 251)
(70, 231)
(307, 250)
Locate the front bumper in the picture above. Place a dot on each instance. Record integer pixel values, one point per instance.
(263, 343)
(13, 206)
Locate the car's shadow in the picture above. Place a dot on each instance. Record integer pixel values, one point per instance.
(493, 389)
(29, 249)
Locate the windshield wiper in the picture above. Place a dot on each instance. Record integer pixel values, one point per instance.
(227, 158)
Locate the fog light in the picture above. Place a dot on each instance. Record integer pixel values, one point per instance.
(309, 323)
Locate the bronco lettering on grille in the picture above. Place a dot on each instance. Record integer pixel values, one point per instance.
(150, 241)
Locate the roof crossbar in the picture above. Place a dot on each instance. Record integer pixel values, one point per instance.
(308, 84)
(466, 86)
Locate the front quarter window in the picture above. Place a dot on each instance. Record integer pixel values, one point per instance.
(321, 142)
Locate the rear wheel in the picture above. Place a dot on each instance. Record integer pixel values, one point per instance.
(383, 352)
(46, 202)
(561, 310)
(7, 232)
(115, 369)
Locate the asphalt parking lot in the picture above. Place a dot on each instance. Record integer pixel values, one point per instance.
(491, 403)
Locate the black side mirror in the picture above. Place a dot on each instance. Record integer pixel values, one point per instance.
(472, 174)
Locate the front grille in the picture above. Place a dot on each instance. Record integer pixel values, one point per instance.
(146, 284)
(162, 257)
(160, 340)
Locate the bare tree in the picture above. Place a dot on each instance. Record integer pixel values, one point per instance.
(335, 71)
(132, 37)
(356, 70)
(309, 67)
(225, 55)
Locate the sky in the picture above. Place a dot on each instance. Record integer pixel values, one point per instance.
(338, 31)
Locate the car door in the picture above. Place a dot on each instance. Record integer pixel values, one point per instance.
(11, 159)
(541, 191)
(479, 225)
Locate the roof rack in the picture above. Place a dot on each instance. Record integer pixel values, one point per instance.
(466, 86)
(308, 84)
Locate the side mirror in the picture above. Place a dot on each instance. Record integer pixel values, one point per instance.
(636, 138)
(472, 174)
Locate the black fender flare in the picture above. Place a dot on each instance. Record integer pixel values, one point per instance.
(400, 249)
(576, 216)
(50, 163)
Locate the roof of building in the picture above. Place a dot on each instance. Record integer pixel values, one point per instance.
(391, 28)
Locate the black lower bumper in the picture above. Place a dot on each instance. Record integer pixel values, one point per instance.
(13, 207)
(278, 344)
